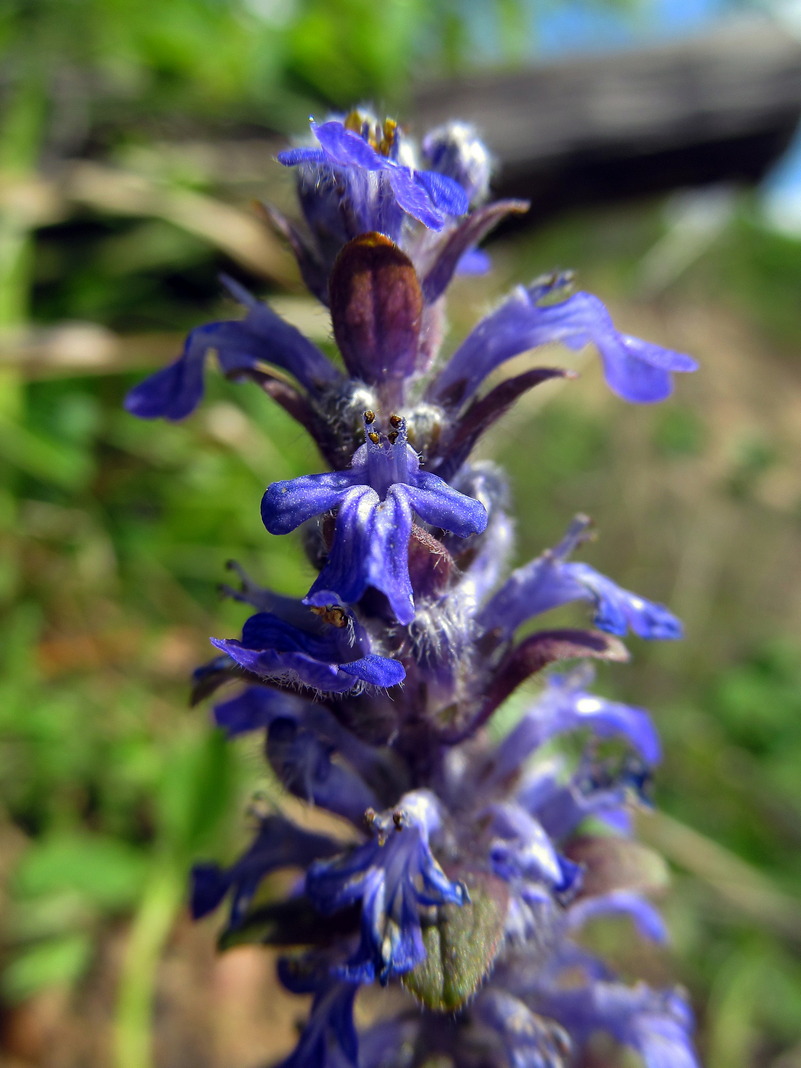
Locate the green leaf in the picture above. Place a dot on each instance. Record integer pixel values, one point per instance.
(198, 786)
(105, 871)
(56, 961)
(461, 945)
(54, 462)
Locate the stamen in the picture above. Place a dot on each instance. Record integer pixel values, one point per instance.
(354, 121)
(388, 140)
(331, 613)
(369, 416)
(374, 437)
(376, 825)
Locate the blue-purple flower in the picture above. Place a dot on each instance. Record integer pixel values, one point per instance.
(279, 843)
(655, 1023)
(326, 650)
(566, 705)
(261, 339)
(550, 580)
(329, 1038)
(375, 501)
(376, 167)
(546, 312)
(604, 791)
(642, 913)
(527, 1039)
(395, 877)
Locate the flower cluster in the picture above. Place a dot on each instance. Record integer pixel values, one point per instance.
(465, 867)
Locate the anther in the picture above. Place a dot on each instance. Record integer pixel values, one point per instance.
(331, 613)
(374, 437)
(388, 139)
(396, 421)
(369, 416)
(392, 437)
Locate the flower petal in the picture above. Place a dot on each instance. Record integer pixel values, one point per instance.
(346, 572)
(656, 1023)
(618, 610)
(175, 391)
(272, 648)
(442, 506)
(346, 148)
(376, 670)
(528, 1039)
(329, 1038)
(262, 337)
(635, 370)
(520, 847)
(388, 554)
(565, 706)
(549, 581)
(645, 916)
(413, 197)
(445, 193)
(279, 843)
(256, 708)
(285, 505)
(266, 337)
(302, 763)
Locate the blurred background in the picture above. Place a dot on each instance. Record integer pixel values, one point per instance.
(656, 140)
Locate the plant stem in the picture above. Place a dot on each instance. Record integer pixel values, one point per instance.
(149, 932)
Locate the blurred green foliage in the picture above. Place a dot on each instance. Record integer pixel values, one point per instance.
(122, 66)
(115, 533)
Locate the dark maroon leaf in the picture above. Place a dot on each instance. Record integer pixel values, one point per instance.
(312, 270)
(458, 442)
(539, 650)
(465, 236)
(376, 308)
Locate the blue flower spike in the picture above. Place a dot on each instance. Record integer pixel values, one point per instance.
(456, 864)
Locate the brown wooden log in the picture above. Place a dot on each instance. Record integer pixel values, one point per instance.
(717, 107)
